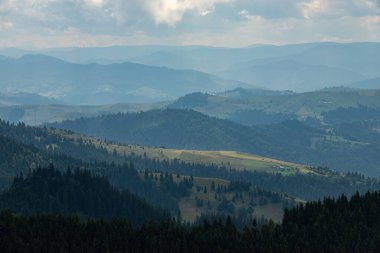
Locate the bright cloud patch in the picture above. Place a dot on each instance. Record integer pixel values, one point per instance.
(171, 11)
(96, 3)
(311, 8)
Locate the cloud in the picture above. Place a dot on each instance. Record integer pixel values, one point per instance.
(5, 25)
(338, 8)
(96, 3)
(53, 23)
(171, 11)
(311, 8)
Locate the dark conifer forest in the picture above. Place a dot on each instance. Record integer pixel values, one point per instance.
(330, 225)
(75, 192)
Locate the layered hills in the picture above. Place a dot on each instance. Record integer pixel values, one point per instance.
(183, 129)
(301, 67)
(249, 107)
(103, 84)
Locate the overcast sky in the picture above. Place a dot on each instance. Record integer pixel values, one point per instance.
(233, 23)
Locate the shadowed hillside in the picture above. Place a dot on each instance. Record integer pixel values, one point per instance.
(182, 129)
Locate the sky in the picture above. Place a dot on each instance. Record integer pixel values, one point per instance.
(230, 23)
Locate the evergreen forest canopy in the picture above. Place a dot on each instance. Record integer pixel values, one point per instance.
(47, 190)
(330, 225)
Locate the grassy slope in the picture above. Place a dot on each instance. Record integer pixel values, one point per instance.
(188, 205)
(184, 129)
(231, 159)
(236, 160)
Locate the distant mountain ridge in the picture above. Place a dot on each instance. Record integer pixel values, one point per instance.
(247, 107)
(373, 83)
(10, 99)
(306, 66)
(241, 93)
(241, 105)
(291, 75)
(102, 84)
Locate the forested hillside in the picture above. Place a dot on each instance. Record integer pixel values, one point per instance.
(290, 140)
(16, 158)
(47, 190)
(245, 106)
(120, 164)
(170, 128)
(242, 105)
(312, 186)
(166, 190)
(331, 225)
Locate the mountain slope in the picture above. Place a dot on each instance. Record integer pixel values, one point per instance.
(291, 75)
(170, 128)
(24, 99)
(361, 58)
(290, 141)
(373, 83)
(59, 147)
(26, 148)
(80, 192)
(247, 108)
(16, 158)
(101, 84)
(334, 60)
(139, 176)
(319, 66)
(39, 114)
(201, 58)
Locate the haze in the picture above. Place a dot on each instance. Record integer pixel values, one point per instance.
(231, 23)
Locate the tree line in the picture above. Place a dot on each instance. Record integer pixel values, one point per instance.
(331, 225)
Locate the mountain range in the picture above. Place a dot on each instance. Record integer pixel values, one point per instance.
(244, 106)
(296, 67)
(103, 84)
